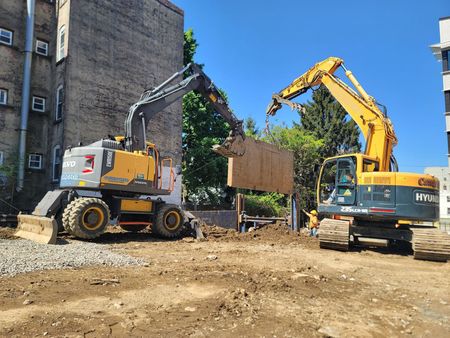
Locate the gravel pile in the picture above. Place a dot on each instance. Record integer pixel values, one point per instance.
(20, 256)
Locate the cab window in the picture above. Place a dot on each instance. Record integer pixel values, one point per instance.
(328, 181)
(345, 172)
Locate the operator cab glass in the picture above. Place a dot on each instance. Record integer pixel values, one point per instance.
(338, 181)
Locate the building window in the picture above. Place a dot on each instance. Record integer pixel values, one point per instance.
(6, 36)
(448, 211)
(61, 42)
(3, 96)
(35, 161)
(41, 47)
(448, 198)
(445, 65)
(1, 157)
(38, 103)
(447, 100)
(59, 103)
(444, 187)
(56, 163)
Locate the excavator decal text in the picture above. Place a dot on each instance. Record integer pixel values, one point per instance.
(426, 198)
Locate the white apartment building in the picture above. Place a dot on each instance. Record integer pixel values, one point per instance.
(441, 51)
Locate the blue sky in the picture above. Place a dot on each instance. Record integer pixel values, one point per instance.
(252, 49)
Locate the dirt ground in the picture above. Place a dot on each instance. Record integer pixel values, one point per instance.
(266, 283)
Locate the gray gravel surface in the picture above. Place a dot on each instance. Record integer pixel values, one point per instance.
(21, 256)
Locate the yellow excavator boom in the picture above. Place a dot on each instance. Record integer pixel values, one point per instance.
(375, 126)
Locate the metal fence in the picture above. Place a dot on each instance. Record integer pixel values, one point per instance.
(444, 225)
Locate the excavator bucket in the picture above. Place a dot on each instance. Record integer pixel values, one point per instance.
(232, 147)
(37, 228)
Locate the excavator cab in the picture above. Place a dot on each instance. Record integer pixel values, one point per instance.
(337, 181)
(352, 185)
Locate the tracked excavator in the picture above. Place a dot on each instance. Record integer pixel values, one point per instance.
(362, 197)
(122, 177)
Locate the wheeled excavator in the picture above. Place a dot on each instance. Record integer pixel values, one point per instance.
(362, 197)
(121, 177)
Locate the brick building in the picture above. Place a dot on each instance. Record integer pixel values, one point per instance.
(91, 61)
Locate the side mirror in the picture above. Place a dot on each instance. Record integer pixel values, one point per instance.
(178, 170)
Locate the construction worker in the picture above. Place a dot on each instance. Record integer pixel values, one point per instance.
(313, 222)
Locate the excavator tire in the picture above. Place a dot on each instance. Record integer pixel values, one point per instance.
(87, 217)
(133, 227)
(66, 216)
(169, 221)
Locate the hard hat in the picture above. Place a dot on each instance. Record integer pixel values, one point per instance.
(314, 212)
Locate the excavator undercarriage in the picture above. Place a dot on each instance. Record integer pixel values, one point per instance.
(427, 242)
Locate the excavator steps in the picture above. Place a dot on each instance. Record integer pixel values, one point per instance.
(334, 234)
(430, 244)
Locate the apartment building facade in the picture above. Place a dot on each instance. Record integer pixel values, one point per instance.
(441, 51)
(91, 61)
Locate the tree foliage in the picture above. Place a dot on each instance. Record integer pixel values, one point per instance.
(204, 172)
(266, 204)
(307, 151)
(250, 128)
(327, 120)
(189, 47)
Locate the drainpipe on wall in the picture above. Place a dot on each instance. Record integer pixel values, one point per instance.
(28, 53)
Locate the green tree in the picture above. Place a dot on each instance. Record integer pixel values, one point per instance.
(326, 119)
(307, 151)
(204, 172)
(189, 47)
(251, 130)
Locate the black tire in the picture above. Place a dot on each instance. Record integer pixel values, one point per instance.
(88, 217)
(133, 227)
(66, 216)
(169, 222)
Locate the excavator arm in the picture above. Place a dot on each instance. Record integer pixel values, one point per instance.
(155, 100)
(363, 109)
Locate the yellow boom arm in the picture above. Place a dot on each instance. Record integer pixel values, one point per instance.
(374, 124)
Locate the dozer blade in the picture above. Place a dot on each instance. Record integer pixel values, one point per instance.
(37, 228)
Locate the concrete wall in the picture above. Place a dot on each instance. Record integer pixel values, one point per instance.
(115, 52)
(444, 29)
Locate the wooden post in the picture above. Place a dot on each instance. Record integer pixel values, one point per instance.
(240, 207)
